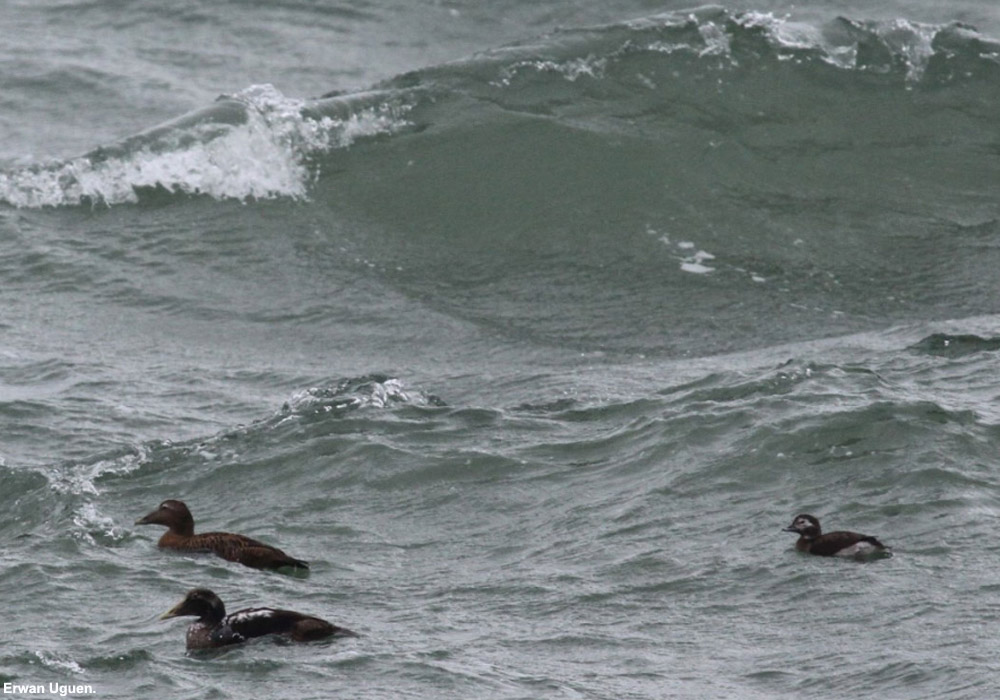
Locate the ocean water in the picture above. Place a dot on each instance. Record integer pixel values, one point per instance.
(529, 325)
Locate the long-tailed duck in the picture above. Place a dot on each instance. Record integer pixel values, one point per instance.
(239, 548)
(833, 544)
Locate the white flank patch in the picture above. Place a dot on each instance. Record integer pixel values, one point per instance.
(858, 549)
(246, 615)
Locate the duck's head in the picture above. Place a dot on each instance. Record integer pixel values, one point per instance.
(805, 525)
(201, 603)
(174, 514)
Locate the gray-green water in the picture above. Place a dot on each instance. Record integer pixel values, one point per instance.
(530, 349)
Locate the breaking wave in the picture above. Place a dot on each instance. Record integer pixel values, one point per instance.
(259, 144)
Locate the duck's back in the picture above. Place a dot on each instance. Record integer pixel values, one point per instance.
(232, 547)
(257, 622)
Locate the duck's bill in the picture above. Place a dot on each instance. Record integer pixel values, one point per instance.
(173, 612)
(146, 519)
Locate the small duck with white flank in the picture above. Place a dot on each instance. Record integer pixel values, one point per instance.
(239, 548)
(214, 628)
(833, 544)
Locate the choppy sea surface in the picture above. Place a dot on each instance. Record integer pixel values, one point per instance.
(529, 325)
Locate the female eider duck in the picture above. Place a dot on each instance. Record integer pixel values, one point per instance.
(239, 548)
(214, 628)
(833, 544)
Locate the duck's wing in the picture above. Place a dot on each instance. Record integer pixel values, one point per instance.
(246, 550)
(257, 622)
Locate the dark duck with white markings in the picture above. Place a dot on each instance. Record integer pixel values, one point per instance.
(214, 628)
(239, 548)
(833, 544)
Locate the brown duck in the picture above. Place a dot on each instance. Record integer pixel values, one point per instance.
(214, 628)
(239, 548)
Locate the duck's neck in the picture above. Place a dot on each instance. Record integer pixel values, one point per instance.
(183, 528)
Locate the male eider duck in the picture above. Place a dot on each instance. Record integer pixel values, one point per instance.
(833, 544)
(214, 628)
(239, 548)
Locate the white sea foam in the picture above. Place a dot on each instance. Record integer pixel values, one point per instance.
(693, 262)
(572, 70)
(50, 660)
(374, 393)
(265, 156)
(88, 520)
(696, 268)
(913, 41)
(716, 40)
(80, 479)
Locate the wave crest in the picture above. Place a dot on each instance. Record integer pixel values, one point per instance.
(256, 144)
(260, 144)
